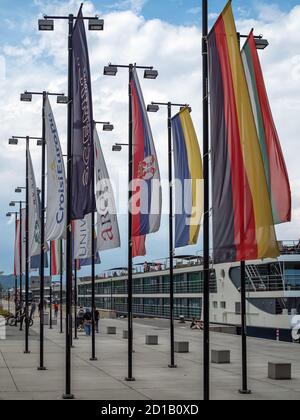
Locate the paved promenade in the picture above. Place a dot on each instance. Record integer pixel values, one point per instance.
(104, 379)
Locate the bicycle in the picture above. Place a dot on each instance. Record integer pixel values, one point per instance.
(14, 320)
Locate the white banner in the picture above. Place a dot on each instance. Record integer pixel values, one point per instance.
(82, 233)
(23, 240)
(107, 222)
(34, 213)
(56, 180)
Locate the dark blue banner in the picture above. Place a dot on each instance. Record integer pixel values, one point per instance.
(83, 198)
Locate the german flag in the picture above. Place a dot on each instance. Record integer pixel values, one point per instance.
(274, 164)
(243, 226)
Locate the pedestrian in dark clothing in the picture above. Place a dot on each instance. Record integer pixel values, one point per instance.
(97, 320)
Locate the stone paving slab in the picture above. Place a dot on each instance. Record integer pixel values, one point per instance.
(104, 379)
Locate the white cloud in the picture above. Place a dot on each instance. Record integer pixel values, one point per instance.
(40, 62)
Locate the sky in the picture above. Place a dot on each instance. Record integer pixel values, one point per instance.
(162, 33)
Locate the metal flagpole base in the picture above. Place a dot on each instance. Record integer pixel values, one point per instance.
(172, 366)
(41, 368)
(93, 359)
(68, 397)
(130, 379)
(245, 392)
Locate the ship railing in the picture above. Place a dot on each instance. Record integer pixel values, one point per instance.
(289, 247)
(273, 283)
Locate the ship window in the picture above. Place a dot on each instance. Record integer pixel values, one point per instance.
(215, 305)
(223, 305)
(238, 308)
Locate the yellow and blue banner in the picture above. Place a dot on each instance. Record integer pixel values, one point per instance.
(189, 180)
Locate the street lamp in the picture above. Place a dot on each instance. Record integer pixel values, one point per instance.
(12, 204)
(26, 97)
(62, 99)
(48, 24)
(110, 70)
(149, 73)
(261, 44)
(42, 142)
(14, 140)
(154, 107)
(96, 24)
(10, 214)
(107, 126)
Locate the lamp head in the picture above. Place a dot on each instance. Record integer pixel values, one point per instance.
(110, 70)
(46, 25)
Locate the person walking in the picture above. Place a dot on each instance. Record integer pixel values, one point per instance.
(56, 309)
(87, 319)
(97, 320)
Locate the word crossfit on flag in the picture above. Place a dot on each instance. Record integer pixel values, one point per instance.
(56, 180)
(189, 180)
(83, 197)
(274, 164)
(243, 226)
(147, 197)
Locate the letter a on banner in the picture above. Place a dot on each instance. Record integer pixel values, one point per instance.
(107, 221)
(83, 197)
(56, 180)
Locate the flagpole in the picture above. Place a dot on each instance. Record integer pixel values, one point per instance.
(93, 358)
(27, 252)
(171, 245)
(130, 377)
(206, 265)
(16, 276)
(21, 254)
(75, 301)
(61, 286)
(42, 255)
(50, 299)
(244, 390)
(68, 394)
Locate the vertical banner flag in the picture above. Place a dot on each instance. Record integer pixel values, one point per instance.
(274, 164)
(83, 197)
(82, 234)
(147, 199)
(138, 246)
(17, 249)
(189, 180)
(23, 239)
(107, 221)
(56, 180)
(243, 225)
(34, 213)
(56, 268)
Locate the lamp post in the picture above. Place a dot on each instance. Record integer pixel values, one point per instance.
(107, 127)
(47, 24)
(154, 107)
(149, 73)
(260, 44)
(61, 285)
(16, 277)
(14, 141)
(206, 265)
(12, 204)
(27, 97)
